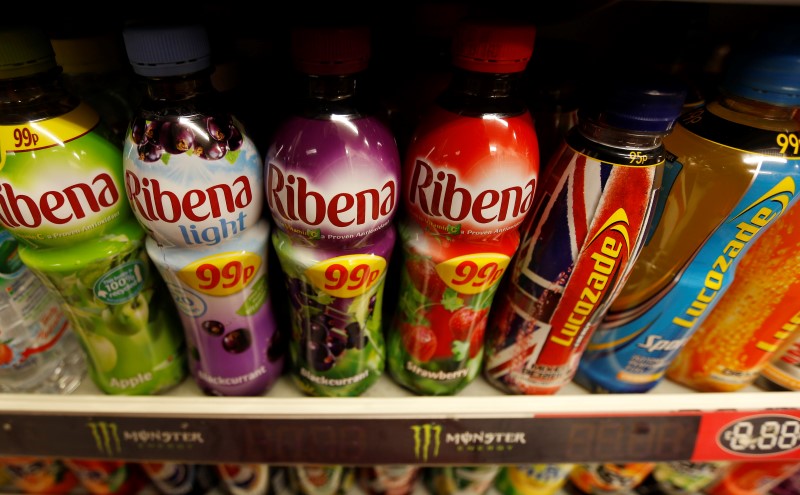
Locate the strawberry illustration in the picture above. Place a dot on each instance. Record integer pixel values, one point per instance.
(419, 341)
(465, 321)
(422, 273)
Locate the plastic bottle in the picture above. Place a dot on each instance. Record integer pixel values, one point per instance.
(39, 475)
(468, 181)
(178, 478)
(731, 173)
(311, 479)
(63, 199)
(783, 372)
(38, 350)
(244, 479)
(95, 69)
(195, 181)
(460, 480)
(607, 478)
(753, 477)
(332, 182)
(586, 228)
(756, 317)
(399, 479)
(106, 477)
(533, 479)
(681, 477)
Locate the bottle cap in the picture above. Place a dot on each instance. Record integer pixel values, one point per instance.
(495, 47)
(24, 51)
(163, 51)
(769, 71)
(331, 50)
(646, 104)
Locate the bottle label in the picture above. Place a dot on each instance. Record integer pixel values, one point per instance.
(446, 290)
(471, 177)
(32, 320)
(580, 243)
(785, 371)
(41, 206)
(320, 480)
(686, 477)
(659, 309)
(223, 300)
(338, 347)
(462, 480)
(609, 478)
(193, 181)
(33, 475)
(332, 182)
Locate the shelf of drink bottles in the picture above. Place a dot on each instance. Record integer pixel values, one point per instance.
(480, 425)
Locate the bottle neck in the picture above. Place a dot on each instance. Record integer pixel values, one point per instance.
(478, 93)
(323, 96)
(178, 88)
(757, 109)
(619, 138)
(37, 97)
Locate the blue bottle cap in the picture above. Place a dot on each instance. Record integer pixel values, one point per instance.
(769, 70)
(163, 51)
(647, 104)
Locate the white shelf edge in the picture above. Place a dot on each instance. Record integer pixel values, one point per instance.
(387, 400)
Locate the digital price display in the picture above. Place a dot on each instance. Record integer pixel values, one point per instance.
(773, 435)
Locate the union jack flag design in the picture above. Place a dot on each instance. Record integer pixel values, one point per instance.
(587, 227)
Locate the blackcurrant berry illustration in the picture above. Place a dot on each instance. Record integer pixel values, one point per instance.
(138, 131)
(150, 151)
(218, 128)
(211, 151)
(237, 341)
(235, 140)
(213, 327)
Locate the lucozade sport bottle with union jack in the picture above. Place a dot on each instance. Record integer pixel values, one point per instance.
(587, 225)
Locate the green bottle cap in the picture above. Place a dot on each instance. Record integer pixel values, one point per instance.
(24, 51)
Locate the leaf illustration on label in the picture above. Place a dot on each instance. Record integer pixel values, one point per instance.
(165, 158)
(256, 299)
(232, 156)
(451, 300)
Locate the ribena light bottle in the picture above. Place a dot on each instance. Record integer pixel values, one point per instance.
(63, 199)
(332, 183)
(195, 182)
(587, 226)
(468, 181)
(732, 171)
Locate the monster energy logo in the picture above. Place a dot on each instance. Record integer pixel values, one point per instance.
(106, 437)
(427, 438)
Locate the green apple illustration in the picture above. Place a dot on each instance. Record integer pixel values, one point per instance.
(128, 318)
(103, 352)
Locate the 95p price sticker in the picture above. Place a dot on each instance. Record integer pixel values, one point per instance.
(347, 276)
(221, 274)
(473, 273)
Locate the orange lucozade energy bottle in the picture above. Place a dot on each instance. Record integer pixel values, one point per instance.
(469, 177)
(756, 318)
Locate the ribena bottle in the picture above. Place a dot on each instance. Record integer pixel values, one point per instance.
(64, 200)
(731, 172)
(588, 223)
(468, 182)
(332, 183)
(195, 182)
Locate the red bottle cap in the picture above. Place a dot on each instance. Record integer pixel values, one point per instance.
(494, 47)
(331, 51)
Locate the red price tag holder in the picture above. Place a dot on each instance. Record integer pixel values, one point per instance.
(736, 435)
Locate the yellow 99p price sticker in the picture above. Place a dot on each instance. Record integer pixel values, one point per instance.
(473, 273)
(347, 276)
(221, 274)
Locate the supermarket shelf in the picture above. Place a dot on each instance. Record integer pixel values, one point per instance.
(391, 425)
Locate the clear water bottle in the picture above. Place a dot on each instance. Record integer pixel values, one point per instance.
(38, 351)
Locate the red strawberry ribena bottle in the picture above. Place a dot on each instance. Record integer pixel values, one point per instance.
(468, 182)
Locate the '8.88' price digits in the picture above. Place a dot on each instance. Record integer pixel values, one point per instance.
(762, 435)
